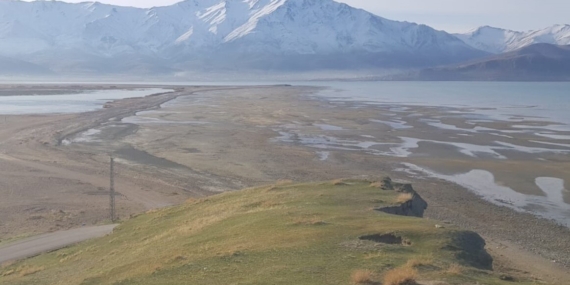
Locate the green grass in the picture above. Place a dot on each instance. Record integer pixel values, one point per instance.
(280, 234)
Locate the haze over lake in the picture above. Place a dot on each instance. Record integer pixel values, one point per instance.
(536, 100)
(68, 103)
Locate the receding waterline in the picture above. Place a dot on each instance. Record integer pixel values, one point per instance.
(551, 205)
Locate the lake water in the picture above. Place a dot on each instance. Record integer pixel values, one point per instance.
(69, 103)
(550, 101)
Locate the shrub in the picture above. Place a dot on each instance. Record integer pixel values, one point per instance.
(420, 261)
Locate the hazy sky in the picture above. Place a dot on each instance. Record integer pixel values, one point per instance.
(449, 15)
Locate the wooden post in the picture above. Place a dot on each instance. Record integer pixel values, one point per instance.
(112, 190)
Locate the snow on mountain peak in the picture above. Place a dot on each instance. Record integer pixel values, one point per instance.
(256, 14)
(305, 26)
(198, 29)
(496, 40)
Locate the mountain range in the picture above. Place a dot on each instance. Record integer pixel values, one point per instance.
(537, 62)
(496, 40)
(59, 38)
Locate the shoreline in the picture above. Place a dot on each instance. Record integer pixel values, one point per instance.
(482, 147)
(234, 148)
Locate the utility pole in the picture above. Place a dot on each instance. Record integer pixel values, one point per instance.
(112, 190)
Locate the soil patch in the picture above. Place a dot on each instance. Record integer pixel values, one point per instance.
(143, 157)
(386, 239)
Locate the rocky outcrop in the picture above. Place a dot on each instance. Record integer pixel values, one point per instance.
(469, 248)
(412, 208)
(386, 239)
(415, 207)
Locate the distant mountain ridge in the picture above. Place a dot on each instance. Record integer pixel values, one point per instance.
(537, 62)
(496, 40)
(217, 34)
(16, 67)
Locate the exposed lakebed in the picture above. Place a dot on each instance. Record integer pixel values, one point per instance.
(513, 155)
(477, 135)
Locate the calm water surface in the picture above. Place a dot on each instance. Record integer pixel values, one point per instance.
(546, 100)
(68, 103)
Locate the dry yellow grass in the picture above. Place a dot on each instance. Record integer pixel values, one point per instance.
(152, 211)
(455, 269)
(190, 201)
(401, 276)
(404, 197)
(385, 184)
(376, 184)
(376, 255)
(271, 188)
(282, 182)
(6, 264)
(256, 237)
(24, 271)
(419, 261)
(362, 277)
(338, 182)
(314, 221)
(270, 204)
(74, 257)
(8, 273)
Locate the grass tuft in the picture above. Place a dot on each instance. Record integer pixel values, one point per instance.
(6, 264)
(376, 184)
(401, 276)
(25, 271)
(404, 197)
(455, 269)
(282, 182)
(8, 273)
(315, 221)
(338, 182)
(190, 201)
(384, 184)
(419, 262)
(362, 277)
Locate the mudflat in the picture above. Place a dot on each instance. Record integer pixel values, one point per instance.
(198, 141)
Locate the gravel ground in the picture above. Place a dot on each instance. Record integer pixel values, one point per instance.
(456, 205)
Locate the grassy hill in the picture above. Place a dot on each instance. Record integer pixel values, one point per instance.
(321, 233)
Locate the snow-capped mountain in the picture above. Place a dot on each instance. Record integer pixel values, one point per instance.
(263, 34)
(496, 40)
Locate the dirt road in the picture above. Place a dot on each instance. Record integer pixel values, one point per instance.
(48, 242)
